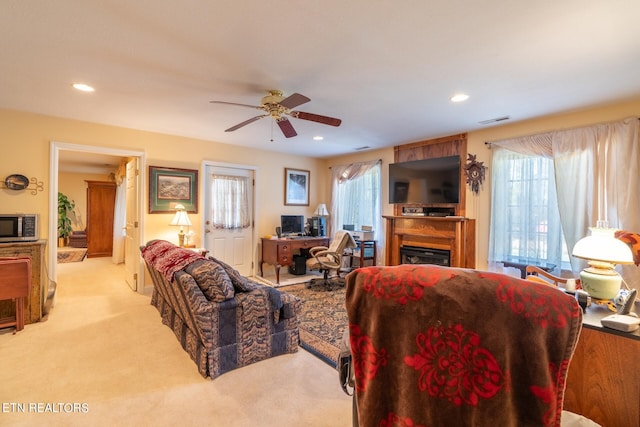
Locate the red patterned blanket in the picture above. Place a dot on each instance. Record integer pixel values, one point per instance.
(168, 258)
(633, 240)
(435, 346)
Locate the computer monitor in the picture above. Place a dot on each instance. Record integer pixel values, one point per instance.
(292, 224)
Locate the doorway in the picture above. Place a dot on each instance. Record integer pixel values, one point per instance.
(234, 241)
(134, 268)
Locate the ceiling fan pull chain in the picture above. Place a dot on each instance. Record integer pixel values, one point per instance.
(271, 130)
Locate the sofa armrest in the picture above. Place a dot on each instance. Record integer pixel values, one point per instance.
(291, 306)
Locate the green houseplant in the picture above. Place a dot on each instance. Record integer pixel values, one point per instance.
(64, 222)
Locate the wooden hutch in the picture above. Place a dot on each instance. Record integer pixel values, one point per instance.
(441, 226)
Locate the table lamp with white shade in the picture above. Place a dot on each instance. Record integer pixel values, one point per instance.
(321, 210)
(181, 219)
(602, 251)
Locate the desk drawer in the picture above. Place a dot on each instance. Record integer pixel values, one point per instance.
(284, 254)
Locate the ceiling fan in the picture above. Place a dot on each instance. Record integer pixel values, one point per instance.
(278, 107)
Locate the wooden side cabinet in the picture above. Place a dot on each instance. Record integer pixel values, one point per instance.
(604, 379)
(34, 302)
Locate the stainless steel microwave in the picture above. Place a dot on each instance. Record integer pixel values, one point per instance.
(18, 227)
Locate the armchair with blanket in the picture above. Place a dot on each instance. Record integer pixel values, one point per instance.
(221, 319)
(438, 346)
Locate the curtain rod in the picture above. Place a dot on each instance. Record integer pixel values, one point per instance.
(355, 163)
(488, 143)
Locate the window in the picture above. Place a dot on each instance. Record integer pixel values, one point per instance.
(356, 198)
(525, 222)
(230, 202)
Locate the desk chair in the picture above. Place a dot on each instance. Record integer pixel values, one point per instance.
(437, 346)
(328, 259)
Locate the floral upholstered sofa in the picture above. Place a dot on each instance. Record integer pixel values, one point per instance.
(222, 319)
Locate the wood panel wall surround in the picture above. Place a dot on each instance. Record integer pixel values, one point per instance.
(454, 234)
(604, 380)
(454, 145)
(34, 303)
(101, 199)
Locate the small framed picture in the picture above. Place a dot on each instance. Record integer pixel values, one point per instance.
(169, 187)
(296, 187)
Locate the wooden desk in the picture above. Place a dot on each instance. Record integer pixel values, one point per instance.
(603, 383)
(279, 252)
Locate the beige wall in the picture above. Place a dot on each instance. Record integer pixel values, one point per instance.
(25, 139)
(73, 186)
(479, 206)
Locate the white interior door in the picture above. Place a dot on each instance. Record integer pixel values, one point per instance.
(132, 239)
(233, 246)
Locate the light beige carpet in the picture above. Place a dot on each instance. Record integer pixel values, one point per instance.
(103, 358)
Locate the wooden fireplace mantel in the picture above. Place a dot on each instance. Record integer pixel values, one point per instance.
(454, 233)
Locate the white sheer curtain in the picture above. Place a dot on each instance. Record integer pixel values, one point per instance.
(231, 207)
(355, 198)
(525, 222)
(596, 173)
(119, 215)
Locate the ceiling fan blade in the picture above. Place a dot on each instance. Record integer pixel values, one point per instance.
(235, 103)
(294, 100)
(316, 118)
(286, 127)
(246, 122)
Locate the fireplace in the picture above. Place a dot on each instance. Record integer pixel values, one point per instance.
(420, 255)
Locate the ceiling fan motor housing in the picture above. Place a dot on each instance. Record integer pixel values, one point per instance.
(274, 97)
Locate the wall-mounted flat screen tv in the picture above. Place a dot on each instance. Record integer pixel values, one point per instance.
(426, 181)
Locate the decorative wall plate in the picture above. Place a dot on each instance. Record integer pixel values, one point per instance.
(16, 182)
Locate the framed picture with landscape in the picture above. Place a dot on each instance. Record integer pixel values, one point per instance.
(296, 187)
(169, 187)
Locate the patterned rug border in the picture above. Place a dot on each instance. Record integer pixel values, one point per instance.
(66, 255)
(322, 321)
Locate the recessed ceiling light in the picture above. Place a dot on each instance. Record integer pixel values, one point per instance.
(459, 97)
(83, 87)
(318, 138)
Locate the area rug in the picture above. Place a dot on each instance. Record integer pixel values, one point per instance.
(286, 278)
(322, 321)
(67, 254)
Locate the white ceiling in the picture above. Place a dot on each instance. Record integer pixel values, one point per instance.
(386, 68)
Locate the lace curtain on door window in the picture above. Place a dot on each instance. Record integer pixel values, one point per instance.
(230, 202)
